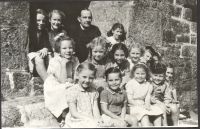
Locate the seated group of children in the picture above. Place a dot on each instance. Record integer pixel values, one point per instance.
(107, 90)
(114, 87)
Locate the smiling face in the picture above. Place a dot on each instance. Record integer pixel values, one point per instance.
(117, 33)
(140, 75)
(66, 49)
(147, 55)
(85, 19)
(135, 54)
(169, 74)
(40, 21)
(119, 56)
(114, 81)
(156, 59)
(98, 53)
(86, 78)
(158, 78)
(56, 21)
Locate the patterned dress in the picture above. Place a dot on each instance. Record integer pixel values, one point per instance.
(84, 101)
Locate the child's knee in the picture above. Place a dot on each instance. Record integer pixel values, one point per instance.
(39, 60)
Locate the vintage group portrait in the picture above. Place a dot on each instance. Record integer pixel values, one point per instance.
(98, 64)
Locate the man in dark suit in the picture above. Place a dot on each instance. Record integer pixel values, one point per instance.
(83, 34)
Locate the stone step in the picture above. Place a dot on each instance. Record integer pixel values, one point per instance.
(27, 112)
(20, 84)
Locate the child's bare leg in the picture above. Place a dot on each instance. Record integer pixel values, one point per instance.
(131, 120)
(157, 121)
(145, 121)
(40, 67)
(174, 114)
(164, 120)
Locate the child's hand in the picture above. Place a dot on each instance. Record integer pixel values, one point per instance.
(58, 36)
(43, 52)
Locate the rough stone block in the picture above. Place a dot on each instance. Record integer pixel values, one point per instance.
(183, 38)
(108, 8)
(27, 112)
(10, 116)
(145, 27)
(169, 36)
(13, 50)
(193, 28)
(186, 2)
(14, 13)
(193, 39)
(172, 52)
(15, 85)
(187, 14)
(175, 11)
(179, 27)
(189, 51)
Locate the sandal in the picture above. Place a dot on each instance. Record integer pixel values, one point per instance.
(62, 123)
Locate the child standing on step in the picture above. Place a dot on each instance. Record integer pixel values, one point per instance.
(114, 101)
(82, 99)
(60, 77)
(139, 94)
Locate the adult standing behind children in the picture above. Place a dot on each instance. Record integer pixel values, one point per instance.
(84, 33)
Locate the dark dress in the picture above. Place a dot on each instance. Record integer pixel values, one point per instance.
(38, 39)
(82, 38)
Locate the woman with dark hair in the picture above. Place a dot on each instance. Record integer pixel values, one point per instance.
(116, 34)
(39, 45)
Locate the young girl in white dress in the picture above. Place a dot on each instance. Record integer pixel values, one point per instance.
(139, 92)
(60, 77)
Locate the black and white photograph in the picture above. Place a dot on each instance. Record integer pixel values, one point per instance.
(98, 64)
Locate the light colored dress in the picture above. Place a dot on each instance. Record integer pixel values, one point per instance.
(138, 92)
(54, 91)
(84, 101)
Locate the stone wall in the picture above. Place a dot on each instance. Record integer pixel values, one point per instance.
(14, 19)
(167, 25)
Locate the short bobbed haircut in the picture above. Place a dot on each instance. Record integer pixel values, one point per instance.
(112, 70)
(60, 40)
(143, 66)
(116, 26)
